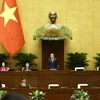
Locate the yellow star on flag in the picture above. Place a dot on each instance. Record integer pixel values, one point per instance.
(8, 14)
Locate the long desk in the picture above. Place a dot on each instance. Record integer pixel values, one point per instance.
(67, 80)
(41, 79)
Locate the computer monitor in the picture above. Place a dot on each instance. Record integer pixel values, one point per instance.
(79, 86)
(79, 68)
(53, 86)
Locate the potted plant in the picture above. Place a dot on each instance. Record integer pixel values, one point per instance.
(3, 58)
(97, 63)
(76, 60)
(24, 58)
(2, 93)
(97, 58)
(49, 33)
(37, 95)
(80, 95)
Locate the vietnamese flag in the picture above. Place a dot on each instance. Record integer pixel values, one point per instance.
(11, 34)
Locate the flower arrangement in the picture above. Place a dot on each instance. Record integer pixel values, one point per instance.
(80, 95)
(2, 93)
(37, 95)
(52, 33)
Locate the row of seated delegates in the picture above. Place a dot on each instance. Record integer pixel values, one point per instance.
(3, 67)
(52, 62)
(27, 67)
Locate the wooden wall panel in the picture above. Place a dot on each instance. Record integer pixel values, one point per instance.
(81, 77)
(53, 77)
(7, 78)
(32, 78)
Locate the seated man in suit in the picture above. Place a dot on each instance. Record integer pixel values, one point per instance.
(24, 83)
(26, 68)
(52, 62)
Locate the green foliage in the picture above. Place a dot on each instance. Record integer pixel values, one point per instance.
(2, 93)
(80, 95)
(3, 58)
(24, 58)
(97, 58)
(37, 95)
(76, 60)
(45, 33)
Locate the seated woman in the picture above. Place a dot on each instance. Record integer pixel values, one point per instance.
(26, 68)
(3, 67)
(24, 83)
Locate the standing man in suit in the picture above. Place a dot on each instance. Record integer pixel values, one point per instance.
(52, 62)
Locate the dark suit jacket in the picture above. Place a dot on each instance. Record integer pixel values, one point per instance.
(27, 85)
(0, 85)
(52, 65)
(28, 69)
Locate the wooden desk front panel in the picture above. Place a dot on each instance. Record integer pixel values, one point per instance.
(32, 78)
(81, 77)
(41, 79)
(96, 78)
(53, 77)
(7, 78)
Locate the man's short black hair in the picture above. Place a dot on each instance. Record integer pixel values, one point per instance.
(23, 78)
(13, 96)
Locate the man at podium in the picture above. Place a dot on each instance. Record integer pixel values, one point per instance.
(52, 62)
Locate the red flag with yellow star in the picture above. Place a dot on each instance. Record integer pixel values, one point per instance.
(11, 34)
